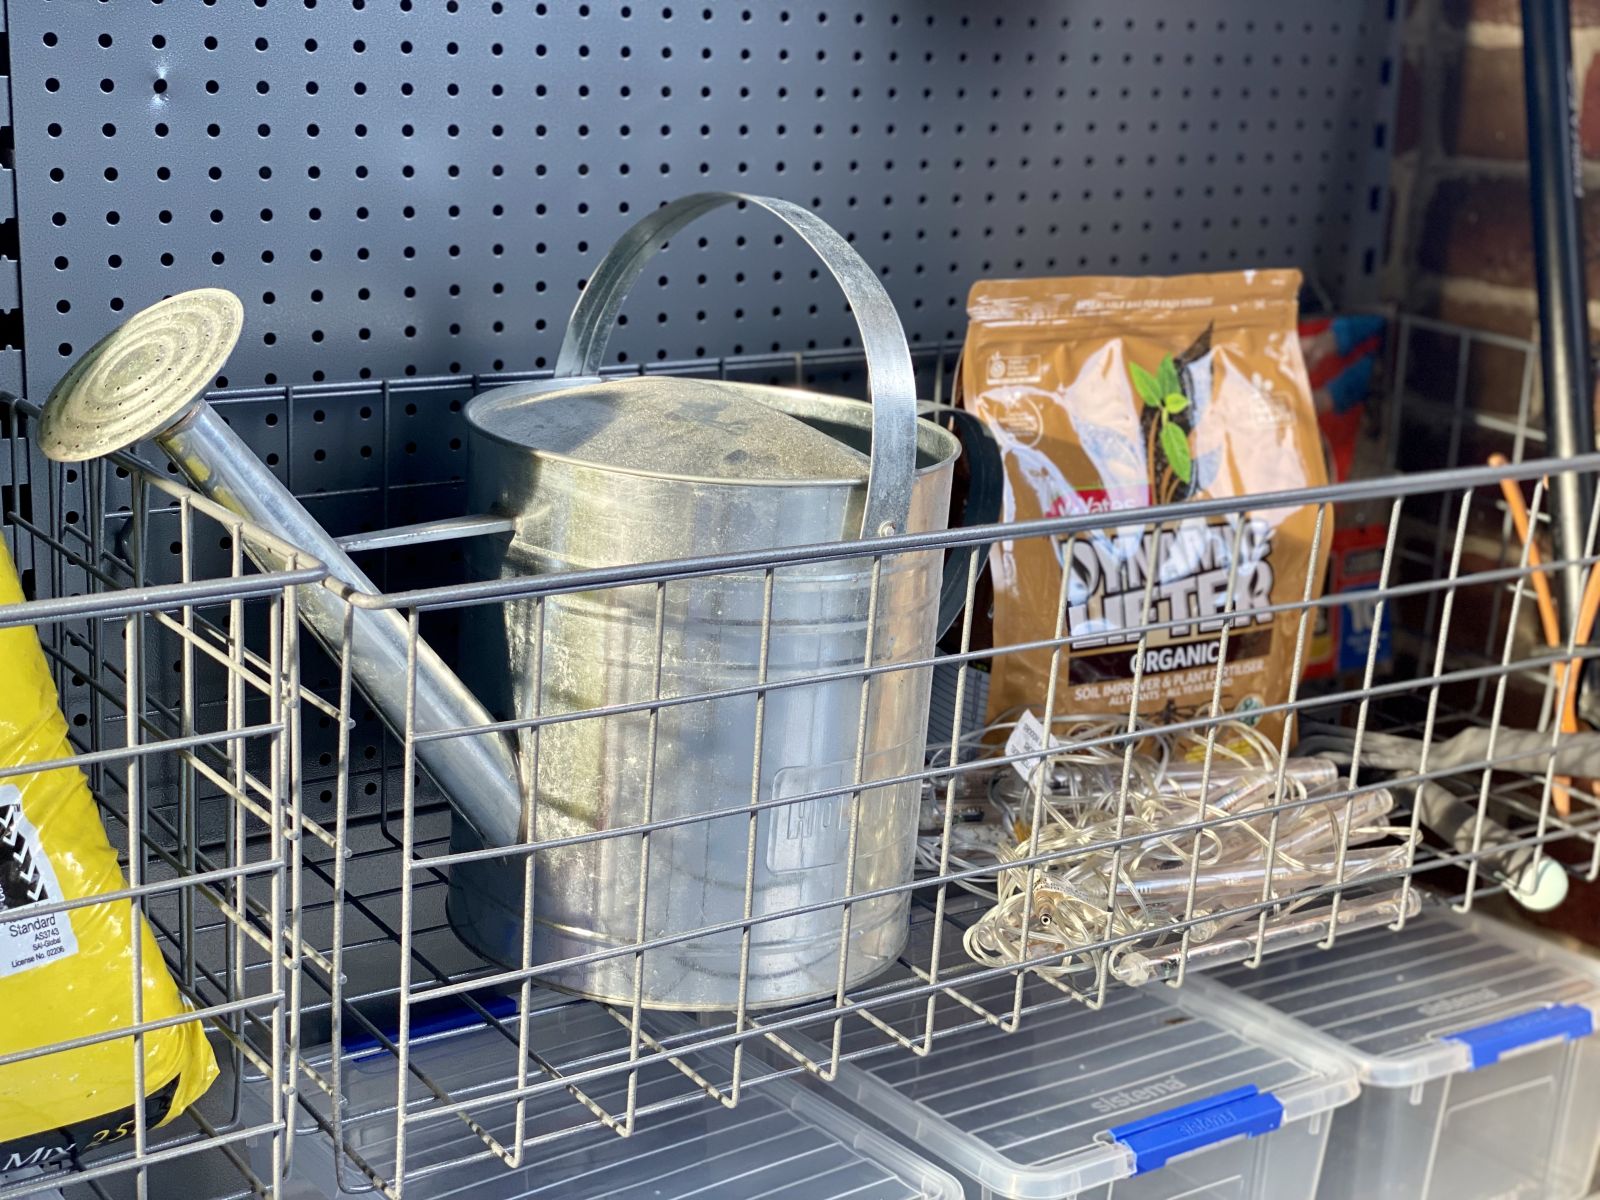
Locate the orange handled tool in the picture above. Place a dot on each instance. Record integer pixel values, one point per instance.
(1559, 672)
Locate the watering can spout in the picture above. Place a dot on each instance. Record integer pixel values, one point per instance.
(147, 379)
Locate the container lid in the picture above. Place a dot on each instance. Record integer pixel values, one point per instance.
(781, 1142)
(1077, 1098)
(1445, 994)
(667, 426)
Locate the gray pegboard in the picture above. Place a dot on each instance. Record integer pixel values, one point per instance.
(948, 142)
(399, 188)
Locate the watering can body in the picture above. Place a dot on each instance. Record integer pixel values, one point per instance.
(628, 647)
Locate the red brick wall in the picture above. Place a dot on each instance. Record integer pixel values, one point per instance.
(1462, 246)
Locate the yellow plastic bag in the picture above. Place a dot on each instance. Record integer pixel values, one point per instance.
(68, 974)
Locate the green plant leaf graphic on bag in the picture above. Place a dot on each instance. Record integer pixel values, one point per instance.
(1163, 392)
(1167, 377)
(1175, 444)
(1146, 384)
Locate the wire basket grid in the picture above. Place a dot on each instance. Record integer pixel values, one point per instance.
(183, 708)
(357, 847)
(1475, 718)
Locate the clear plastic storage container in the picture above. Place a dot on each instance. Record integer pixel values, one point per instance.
(1157, 1095)
(1480, 1078)
(782, 1142)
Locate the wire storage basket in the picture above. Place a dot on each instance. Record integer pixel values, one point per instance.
(304, 874)
(1113, 855)
(177, 667)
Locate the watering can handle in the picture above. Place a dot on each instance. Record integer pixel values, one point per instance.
(892, 385)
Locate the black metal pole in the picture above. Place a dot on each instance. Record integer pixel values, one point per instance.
(1556, 187)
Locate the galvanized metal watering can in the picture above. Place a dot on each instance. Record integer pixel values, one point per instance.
(598, 473)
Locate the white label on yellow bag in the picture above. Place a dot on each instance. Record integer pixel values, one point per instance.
(26, 877)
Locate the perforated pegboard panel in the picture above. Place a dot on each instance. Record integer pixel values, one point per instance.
(399, 188)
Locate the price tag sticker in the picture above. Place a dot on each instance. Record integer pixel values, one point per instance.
(1027, 737)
